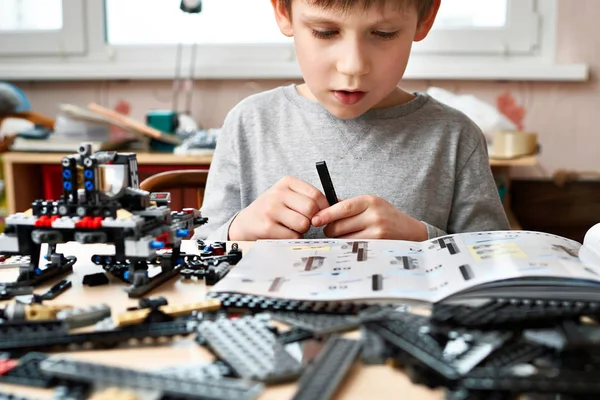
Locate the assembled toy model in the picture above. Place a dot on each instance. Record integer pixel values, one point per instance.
(101, 203)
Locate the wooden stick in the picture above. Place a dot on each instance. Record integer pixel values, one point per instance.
(133, 124)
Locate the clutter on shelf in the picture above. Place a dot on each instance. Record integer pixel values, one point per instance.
(502, 125)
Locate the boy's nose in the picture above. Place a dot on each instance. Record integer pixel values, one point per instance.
(353, 61)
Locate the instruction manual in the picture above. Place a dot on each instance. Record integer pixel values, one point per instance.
(467, 265)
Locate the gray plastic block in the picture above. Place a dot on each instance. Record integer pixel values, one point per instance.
(326, 372)
(252, 351)
(213, 389)
(319, 324)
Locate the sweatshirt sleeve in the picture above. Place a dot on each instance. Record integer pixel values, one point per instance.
(476, 204)
(221, 201)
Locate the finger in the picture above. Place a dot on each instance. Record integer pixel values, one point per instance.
(344, 209)
(362, 235)
(301, 204)
(293, 220)
(346, 226)
(278, 231)
(307, 190)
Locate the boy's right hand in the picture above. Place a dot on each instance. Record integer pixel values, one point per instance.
(282, 212)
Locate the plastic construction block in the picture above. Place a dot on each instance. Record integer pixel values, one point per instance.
(78, 317)
(28, 373)
(99, 338)
(73, 391)
(467, 349)
(137, 291)
(516, 352)
(252, 351)
(294, 335)
(508, 313)
(57, 290)
(374, 349)
(6, 396)
(214, 389)
(199, 372)
(236, 301)
(217, 272)
(407, 336)
(463, 394)
(319, 324)
(8, 292)
(34, 276)
(529, 379)
(326, 372)
(97, 279)
(10, 330)
(139, 316)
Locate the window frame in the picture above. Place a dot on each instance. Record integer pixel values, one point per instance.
(520, 36)
(70, 40)
(278, 61)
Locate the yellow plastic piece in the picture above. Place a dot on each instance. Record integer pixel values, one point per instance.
(39, 312)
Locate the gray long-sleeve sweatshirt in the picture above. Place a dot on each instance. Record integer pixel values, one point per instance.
(427, 159)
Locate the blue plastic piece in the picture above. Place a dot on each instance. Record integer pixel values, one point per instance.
(38, 271)
(155, 244)
(89, 186)
(88, 174)
(182, 232)
(67, 185)
(126, 275)
(67, 174)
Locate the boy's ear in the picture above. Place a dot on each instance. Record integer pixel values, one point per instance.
(283, 19)
(427, 22)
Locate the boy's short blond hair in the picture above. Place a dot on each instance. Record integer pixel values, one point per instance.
(422, 6)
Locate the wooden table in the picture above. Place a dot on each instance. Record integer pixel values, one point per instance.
(363, 382)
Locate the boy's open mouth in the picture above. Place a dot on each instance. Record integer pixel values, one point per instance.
(349, 97)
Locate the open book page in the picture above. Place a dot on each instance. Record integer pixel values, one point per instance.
(472, 259)
(384, 269)
(331, 270)
(590, 251)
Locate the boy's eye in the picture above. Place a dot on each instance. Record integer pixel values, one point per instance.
(386, 35)
(323, 34)
(332, 33)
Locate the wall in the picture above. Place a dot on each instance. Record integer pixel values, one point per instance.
(563, 114)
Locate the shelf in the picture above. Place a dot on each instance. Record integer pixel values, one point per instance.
(525, 161)
(142, 158)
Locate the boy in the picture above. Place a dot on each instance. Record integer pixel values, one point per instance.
(406, 166)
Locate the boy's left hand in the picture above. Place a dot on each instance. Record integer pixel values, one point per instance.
(369, 217)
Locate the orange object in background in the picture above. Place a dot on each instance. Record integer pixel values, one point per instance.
(508, 106)
(117, 133)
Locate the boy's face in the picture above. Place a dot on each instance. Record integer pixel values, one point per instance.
(352, 62)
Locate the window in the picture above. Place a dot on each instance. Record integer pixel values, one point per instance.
(251, 23)
(30, 15)
(41, 27)
(472, 14)
(465, 26)
(152, 39)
